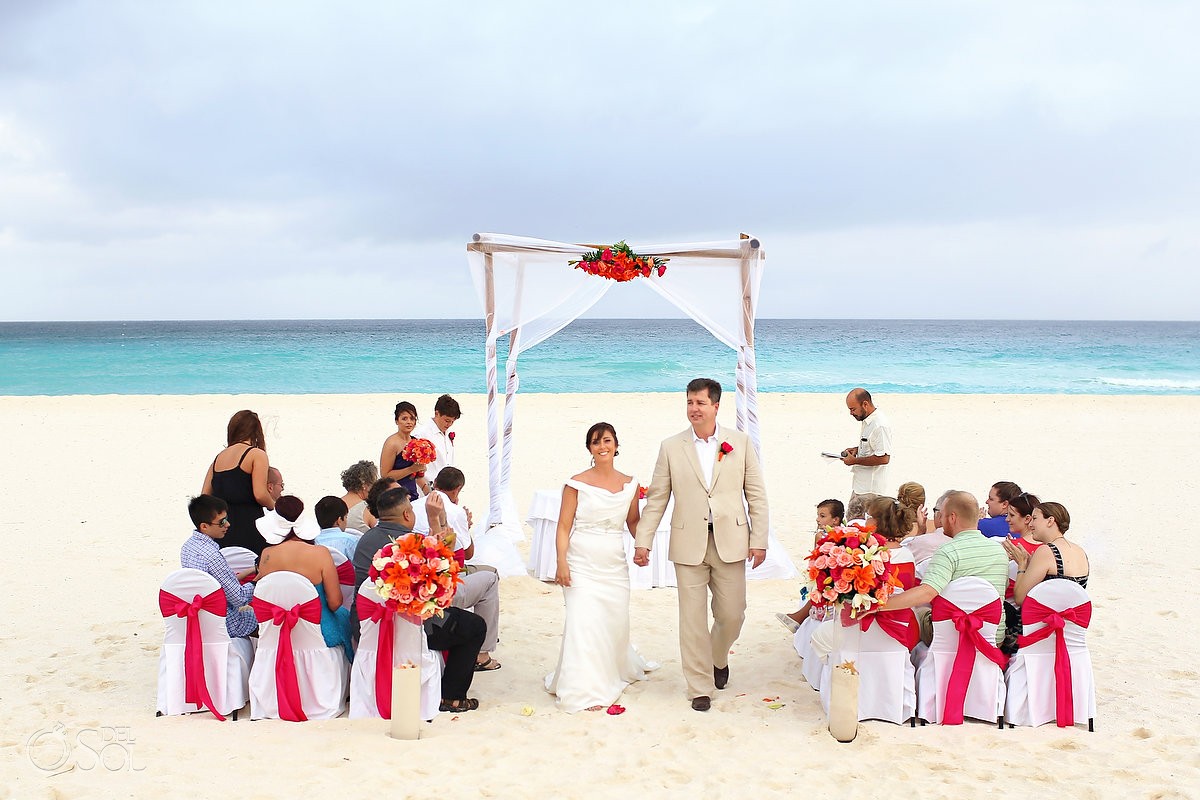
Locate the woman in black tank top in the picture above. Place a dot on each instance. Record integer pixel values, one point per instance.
(243, 485)
(1059, 559)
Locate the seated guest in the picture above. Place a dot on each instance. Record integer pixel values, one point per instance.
(200, 551)
(911, 496)
(924, 546)
(1056, 559)
(480, 589)
(829, 515)
(1020, 527)
(274, 483)
(377, 488)
(357, 480)
(437, 430)
(968, 554)
(458, 632)
(331, 516)
(995, 525)
(291, 549)
(893, 521)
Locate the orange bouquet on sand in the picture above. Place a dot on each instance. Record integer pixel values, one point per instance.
(620, 263)
(416, 576)
(850, 565)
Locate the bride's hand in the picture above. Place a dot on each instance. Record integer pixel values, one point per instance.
(562, 575)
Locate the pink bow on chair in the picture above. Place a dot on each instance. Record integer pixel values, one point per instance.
(1033, 612)
(287, 685)
(368, 609)
(345, 573)
(969, 642)
(900, 624)
(195, 687)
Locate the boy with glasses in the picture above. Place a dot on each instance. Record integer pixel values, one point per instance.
(210, 515)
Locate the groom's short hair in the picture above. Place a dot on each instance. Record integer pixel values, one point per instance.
(705, 384)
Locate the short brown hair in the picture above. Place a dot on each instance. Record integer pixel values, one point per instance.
(705, 384)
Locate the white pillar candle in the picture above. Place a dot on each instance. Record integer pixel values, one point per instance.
(406, 701)
(843, 702)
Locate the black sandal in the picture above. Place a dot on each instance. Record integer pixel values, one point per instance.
(459, 706)
(488, 666)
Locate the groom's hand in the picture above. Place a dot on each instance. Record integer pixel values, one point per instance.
(641, 556)
(757, 556)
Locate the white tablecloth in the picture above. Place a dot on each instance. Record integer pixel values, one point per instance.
(543, 557)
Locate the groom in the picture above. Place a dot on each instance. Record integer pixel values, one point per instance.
(709, 470)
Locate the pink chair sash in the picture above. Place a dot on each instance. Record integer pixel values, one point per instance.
(345, 573)
(900, 624)
(1033, 612)
(287, 685)
(195, 687)
(969, 642)
(368, 609)
(385, 615)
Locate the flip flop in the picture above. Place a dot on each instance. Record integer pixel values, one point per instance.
(788, 622)
(490, 665)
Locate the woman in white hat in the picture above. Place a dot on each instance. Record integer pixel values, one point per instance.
(289, 533)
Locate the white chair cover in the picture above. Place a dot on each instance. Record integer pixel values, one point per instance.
(985, 694)
(226, 661)
(1030, 674)
(887, 688)
(812, 668)
(410, 647)
(239, 558)
(322, 672)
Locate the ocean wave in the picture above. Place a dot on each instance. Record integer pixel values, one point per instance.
(1149, 383)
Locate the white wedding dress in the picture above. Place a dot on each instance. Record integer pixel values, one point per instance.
(597, 661)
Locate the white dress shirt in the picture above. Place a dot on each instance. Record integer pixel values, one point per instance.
(441, 443)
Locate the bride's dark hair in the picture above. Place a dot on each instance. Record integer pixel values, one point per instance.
(598, 430)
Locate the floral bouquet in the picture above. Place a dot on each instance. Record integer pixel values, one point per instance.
(850, 566)
(620, 263)
(419, 451)
(416, 575)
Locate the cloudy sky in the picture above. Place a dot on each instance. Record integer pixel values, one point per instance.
(310, 159)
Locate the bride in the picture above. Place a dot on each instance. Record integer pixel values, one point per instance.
(596, 662)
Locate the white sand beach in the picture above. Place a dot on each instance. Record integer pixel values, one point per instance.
(94, 513)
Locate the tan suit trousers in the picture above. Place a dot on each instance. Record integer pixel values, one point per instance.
(701, 648)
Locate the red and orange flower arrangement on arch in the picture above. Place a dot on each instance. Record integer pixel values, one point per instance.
(416, 576)
(850, 566)
(620, 263)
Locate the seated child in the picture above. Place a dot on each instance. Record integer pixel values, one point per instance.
(200, 551)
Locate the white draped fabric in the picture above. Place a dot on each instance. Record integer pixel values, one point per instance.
(529, 293)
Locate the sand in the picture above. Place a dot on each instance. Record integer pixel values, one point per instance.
(94, 513)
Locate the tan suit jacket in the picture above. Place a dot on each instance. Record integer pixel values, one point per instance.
(735, 476)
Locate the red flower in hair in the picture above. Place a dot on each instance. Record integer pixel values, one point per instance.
(726, 449)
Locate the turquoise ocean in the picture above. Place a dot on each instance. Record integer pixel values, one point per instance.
(434, 356)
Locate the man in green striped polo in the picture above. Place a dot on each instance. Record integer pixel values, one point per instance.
(968, 554)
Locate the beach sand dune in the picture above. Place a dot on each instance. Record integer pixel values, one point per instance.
(94, 512)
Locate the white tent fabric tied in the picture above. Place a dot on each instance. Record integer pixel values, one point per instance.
(529, 293)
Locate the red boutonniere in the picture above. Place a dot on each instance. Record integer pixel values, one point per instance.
(451, 435)
(726, 449)
(641, 493)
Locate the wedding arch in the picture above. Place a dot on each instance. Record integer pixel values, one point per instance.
(529, 293)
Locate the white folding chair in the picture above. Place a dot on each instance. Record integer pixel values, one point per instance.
(219, 685)
(409, 647)
(1050, 677)
(886, 676)
(313, 678)
(941, 695)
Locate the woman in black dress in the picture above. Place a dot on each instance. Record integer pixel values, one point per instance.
(238, 475)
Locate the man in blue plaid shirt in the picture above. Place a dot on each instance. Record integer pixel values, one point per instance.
(200, 551)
